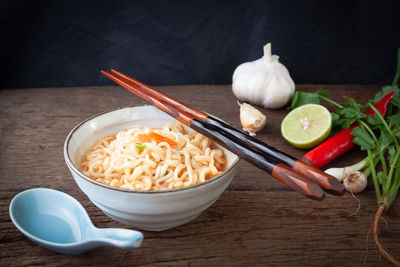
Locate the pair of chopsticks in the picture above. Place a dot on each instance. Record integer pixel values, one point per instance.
(304, 178)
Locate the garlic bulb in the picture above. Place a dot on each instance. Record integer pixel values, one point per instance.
(252, 119)
(264, 82)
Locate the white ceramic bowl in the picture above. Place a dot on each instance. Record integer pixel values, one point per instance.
(148, 210)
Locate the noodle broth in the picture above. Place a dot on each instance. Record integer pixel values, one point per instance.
(152, 159)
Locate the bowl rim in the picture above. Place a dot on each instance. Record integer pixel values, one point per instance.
(87, 178)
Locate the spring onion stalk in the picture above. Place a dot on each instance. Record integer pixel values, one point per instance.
(341, 173)
(380, 138)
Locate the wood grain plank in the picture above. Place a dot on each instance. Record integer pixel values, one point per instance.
(256, 222)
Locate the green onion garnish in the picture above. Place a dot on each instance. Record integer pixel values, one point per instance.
(140, 147)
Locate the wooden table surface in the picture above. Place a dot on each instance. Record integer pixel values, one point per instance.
(256, 222)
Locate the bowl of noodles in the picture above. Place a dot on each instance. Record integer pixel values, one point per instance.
(144, 169)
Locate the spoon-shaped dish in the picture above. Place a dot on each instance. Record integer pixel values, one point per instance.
(58, 222)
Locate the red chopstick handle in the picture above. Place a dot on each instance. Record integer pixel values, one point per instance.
(326, 181)
(299, 183)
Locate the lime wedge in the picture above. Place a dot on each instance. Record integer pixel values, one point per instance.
(307, 126)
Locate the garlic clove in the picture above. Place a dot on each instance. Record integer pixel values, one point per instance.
(252, 120)
(355, 182)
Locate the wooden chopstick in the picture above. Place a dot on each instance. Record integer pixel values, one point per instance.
(325, 180)
(260, 159)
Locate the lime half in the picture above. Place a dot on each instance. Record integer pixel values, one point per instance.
(307, 126)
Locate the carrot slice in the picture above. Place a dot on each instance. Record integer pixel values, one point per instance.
(156, 137)
(144, 138)
(160, 138)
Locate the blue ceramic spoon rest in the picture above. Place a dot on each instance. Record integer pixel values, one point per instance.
(58, 222)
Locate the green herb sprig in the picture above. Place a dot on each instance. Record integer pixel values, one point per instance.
(378, 136)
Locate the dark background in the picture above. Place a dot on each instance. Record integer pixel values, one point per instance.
(66, 43)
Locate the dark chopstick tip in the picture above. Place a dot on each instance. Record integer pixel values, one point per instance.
(338, 190)
(319, 197)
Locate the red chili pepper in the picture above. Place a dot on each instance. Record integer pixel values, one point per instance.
(343, 140)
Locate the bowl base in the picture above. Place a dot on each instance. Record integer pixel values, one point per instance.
(154, 227)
